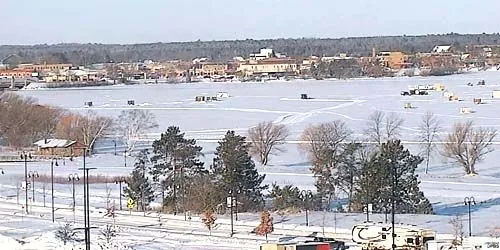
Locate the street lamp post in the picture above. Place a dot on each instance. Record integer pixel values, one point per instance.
(86, 201)
(25, 156)
(306, 196)
(236, 203)
(468, 202)
(72, 178)
(52, 163)
(33, 175)
(392, 169)
(119, 181)
(230, 204)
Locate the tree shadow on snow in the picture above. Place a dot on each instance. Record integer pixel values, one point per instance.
(459, 208)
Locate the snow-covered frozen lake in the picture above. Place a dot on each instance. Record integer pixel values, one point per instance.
(351, 101)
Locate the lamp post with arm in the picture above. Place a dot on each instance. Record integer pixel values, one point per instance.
(306, 196)
(24, 156)
(52, 163)
(468, 202)
(119, 181)
(33, 175)
(72, 178)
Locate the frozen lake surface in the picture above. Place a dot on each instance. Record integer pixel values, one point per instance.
(351, 101)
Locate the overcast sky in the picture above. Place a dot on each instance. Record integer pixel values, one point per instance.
(137, 21)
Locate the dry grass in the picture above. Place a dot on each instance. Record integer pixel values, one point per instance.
(93, 179)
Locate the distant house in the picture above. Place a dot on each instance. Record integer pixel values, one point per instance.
(59, 147)
(442, 49)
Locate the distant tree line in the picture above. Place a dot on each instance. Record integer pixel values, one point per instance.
(84, 54)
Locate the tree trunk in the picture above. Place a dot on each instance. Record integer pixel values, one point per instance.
(427, 163)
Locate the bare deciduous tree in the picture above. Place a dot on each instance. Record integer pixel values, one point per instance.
(458, 230)
(382, 128)
(428, 135)
(393, 125)
(23, 121)
(133, 123)
(467, 145)
(267, 139)
(322, 137)
(85, 128)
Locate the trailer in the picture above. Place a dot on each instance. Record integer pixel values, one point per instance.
(495, 94)
(377, 236)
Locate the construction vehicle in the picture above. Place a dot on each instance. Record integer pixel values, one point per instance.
(377, 236)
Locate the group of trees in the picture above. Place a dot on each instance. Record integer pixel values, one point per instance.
(84, 54)
(340, 69)
(366, 172)
(379, 172)
(23, 122)
(174, 170)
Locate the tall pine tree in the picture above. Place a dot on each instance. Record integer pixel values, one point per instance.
(138, 186)
(235, 171)
(349, 169)
(175, 163)
(392, 166)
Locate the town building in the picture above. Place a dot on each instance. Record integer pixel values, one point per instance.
(44, 67)
(273, 66)
(440, 49)
(394, 60)
(17, 73)
(208, 69)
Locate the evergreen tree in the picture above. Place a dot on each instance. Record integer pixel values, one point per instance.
(235, 171)
(175, 162)
(138, 186)
(392, 166)
(349, 169)
(285, 197)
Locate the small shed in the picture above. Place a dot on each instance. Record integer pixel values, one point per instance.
(200, 99)
(131, 102)
(88, 104)
(304, 96)
(453, 98)
(439, 87)
(222, 95)
(448, 94)
(59, 147)
(495, 94)
(465, 110)
(477, 100)
(408, 105)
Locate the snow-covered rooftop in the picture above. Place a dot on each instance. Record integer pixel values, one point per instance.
(54, 143)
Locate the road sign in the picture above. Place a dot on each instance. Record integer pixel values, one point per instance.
(130, 203)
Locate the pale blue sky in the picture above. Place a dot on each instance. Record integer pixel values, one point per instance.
(133, 21)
